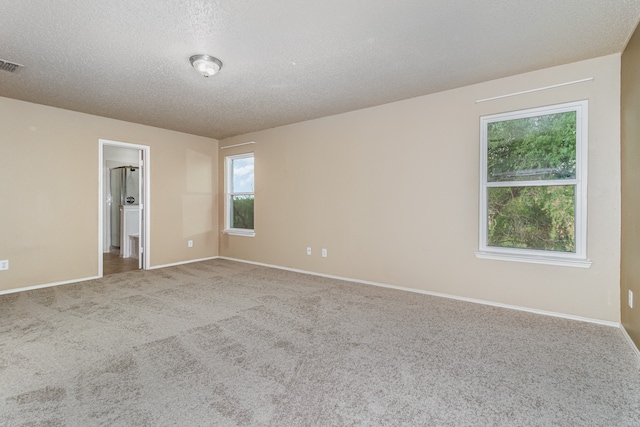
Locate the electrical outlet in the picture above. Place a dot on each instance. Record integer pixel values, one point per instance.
(630, 298)
(4, 264)
(324, 253)
(309, 251)
(190, 243)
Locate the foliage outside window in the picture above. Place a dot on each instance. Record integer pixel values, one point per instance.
(239, 194)
(533, 185)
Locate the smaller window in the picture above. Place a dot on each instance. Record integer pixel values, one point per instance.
(239, 194)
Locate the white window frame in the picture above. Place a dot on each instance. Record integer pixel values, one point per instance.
(228, 176)
(573, 259)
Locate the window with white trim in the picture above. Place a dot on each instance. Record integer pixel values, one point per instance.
(239, 194)
(533, 193)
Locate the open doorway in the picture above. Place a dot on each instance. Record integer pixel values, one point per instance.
(124, 200)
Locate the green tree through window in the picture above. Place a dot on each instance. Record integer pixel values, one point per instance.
(533, 148)
(532, 217)
(532, 197)
(242, 212)
(239, 194)
(528, 149)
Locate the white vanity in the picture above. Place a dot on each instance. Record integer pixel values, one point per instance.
(129, 230)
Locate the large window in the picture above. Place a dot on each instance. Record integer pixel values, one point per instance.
(533, 185)
(239, 194)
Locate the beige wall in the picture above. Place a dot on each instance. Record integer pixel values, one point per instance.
(630, 263)
(49, 193)
(392, 193)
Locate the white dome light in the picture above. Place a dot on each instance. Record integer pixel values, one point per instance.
(205, 64)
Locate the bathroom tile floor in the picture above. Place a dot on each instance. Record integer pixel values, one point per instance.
(112, 263)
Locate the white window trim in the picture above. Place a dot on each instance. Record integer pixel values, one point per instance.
(577, 259)
(228, 179)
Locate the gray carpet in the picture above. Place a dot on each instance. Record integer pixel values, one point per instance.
(224, 343)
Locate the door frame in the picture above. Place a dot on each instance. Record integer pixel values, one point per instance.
(144, 251)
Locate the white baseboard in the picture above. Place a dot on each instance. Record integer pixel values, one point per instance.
(47, 285)
(182, 263)
(66, 282)
(635, 348)
(438, 294)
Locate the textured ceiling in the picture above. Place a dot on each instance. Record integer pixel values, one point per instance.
(285, 60)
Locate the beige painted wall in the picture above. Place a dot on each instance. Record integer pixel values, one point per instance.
(392, 193)
(49, 193)
(630, 263)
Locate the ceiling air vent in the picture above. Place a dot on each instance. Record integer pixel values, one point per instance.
(10, 66)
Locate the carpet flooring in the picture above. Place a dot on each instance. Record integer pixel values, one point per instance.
(221, 343)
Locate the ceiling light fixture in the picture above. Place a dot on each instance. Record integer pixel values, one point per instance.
(205, 64)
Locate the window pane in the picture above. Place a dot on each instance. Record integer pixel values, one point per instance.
(540, 218)
(533, 148)
(242, 175)
(242, 212)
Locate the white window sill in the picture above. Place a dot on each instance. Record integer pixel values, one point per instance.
(536, 259)
(239, 232)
